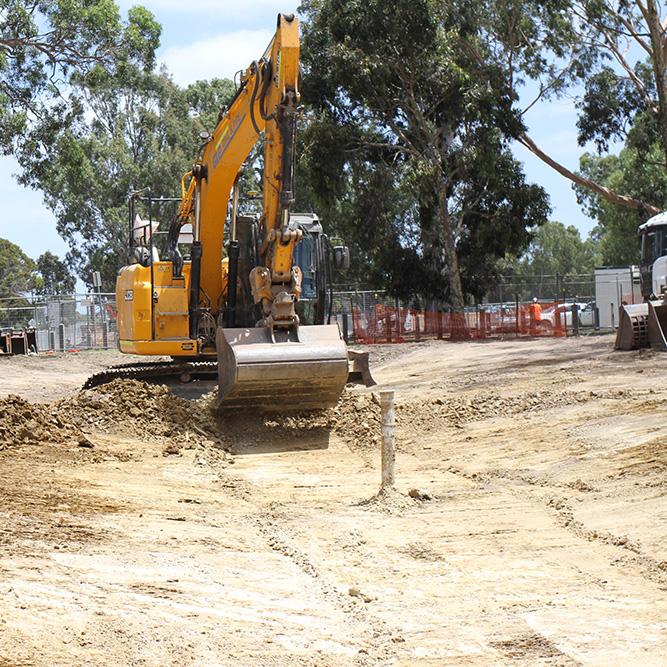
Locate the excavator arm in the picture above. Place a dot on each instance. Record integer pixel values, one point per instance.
(277, 364)
(266, 101)
(185, 307)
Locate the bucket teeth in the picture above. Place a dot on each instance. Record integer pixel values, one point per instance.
(632, 331)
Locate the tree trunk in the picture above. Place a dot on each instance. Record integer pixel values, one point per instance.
(451, 257)
(657, 34)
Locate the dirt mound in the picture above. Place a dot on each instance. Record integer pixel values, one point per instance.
(121, 407)
(30, 423)
(142, 410)
(356, 419)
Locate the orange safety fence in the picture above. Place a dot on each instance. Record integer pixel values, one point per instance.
(389, 324)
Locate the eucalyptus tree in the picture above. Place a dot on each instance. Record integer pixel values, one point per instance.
(123, 129)
(555, 249)
(43, 43)
(625, 105)
(54, 276)
(16, 274)
(407, 83)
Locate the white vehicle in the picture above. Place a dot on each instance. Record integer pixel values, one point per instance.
(586, 315)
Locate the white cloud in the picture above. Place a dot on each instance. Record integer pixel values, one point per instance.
(220, 56)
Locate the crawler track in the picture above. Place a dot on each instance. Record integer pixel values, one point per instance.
(155, 371)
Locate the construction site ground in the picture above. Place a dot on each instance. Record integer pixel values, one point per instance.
(526, 526)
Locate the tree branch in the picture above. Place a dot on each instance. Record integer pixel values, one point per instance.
(605, 193)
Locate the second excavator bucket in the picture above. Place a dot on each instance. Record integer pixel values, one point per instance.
(632, 331)
(359, 371)
(657, 325)
(257, 373)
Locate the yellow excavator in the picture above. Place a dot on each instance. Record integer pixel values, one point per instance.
(240, 315)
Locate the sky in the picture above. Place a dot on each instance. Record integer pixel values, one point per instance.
(209, 41)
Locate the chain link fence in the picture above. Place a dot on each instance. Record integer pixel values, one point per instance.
(65, 322)
(88, 321)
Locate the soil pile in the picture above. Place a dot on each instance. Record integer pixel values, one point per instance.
(121, 407)
(29, 423)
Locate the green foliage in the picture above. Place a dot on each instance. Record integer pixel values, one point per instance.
(555, 249)
(126, 129)
(16, 274)
(496, 221)
(641, 176)
(54, 276)
(610, 106)
(43, 44)
(408, 154)
(624, 103)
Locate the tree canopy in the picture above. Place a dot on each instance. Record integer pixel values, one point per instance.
(625, 103)
(16, 273)
(42, 44)
(54, 276)
(124, 129)
(402, 90)
(555, 249)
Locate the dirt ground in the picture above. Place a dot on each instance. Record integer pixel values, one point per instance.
(527, 526)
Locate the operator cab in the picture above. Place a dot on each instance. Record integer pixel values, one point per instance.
(653, 264)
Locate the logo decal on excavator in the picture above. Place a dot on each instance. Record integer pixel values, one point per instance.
(225, 140)
(277, 78)
(129, 295)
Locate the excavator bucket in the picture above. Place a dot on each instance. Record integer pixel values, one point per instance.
(359, 371)
(632, 331)
(257, 373)
(657, 325)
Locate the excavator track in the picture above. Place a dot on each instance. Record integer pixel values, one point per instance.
(183, 371)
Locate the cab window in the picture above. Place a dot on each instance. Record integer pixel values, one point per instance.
(304, 256)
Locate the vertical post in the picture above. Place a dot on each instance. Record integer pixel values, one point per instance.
(233, 252)
(93, 342)
(388, 441)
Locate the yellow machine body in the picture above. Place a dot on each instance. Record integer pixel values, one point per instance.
(153, 311)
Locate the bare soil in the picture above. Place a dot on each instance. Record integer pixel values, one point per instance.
(526, 527)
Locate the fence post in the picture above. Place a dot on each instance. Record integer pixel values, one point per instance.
(575, 318)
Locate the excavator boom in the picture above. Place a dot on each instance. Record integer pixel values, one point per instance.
(241, 309)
